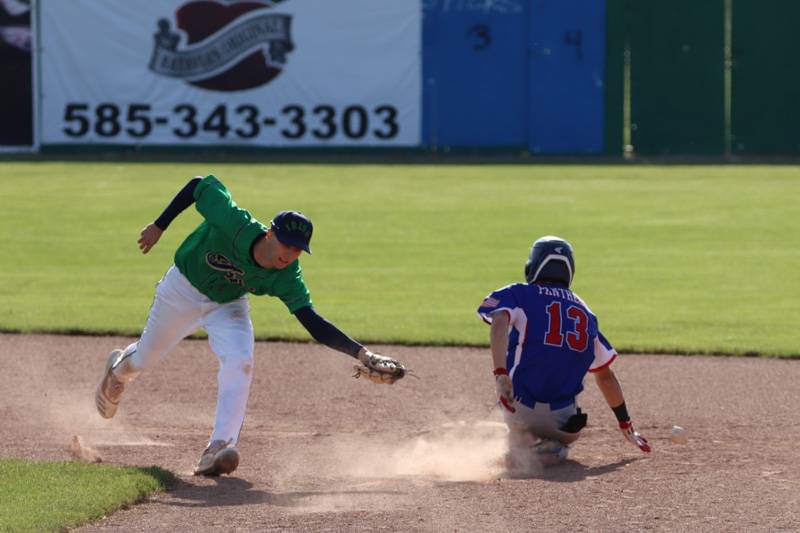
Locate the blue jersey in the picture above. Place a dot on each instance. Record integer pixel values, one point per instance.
(553, 341)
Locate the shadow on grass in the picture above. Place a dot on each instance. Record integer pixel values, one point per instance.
(166, 479)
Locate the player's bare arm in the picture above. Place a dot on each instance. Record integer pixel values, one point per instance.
(612, 391)
(609, 385)
(499, 338)
(499, 346)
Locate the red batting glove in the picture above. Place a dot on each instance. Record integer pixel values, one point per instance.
(505, 389)
(633, 436)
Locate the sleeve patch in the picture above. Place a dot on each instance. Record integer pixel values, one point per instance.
(490, 302)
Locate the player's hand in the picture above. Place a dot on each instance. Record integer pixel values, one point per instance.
(505, 389)
(149, 237)
(633, 436)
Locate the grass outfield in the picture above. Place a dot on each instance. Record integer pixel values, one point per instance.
(54, 496)
(671, 258)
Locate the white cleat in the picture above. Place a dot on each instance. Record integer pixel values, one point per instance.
(217, 459)
(110, 389)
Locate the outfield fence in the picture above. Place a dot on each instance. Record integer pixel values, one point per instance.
(574, 77)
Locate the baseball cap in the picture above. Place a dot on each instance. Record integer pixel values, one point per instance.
(293, 229)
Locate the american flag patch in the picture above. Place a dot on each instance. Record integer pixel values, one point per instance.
(490, 302)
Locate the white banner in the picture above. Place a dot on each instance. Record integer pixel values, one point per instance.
(236, 72)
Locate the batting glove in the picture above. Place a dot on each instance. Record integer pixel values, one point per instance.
(505, 389)
(633, 436)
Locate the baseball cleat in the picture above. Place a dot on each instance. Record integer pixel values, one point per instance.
(110, 389)
(550, 451)
(217, 459)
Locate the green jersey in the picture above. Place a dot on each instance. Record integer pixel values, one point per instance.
(216, 258)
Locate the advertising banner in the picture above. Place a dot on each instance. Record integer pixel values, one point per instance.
(16, 76)
(239, 72)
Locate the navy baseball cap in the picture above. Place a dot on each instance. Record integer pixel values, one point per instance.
(293, 229)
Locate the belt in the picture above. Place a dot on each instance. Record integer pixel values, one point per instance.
(527, 401)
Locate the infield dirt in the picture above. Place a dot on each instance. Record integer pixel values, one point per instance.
(324, 452)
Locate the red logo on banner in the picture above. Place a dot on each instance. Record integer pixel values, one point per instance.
(223, 46)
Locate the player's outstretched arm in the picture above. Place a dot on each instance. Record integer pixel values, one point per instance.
(375, 367)
(612, 391)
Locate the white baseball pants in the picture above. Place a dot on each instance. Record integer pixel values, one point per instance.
(539, 422)
(177, 311)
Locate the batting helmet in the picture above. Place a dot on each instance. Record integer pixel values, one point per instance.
(550, 260)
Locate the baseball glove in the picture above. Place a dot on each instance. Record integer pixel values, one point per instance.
(379, 368)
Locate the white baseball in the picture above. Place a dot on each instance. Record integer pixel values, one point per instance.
(678, 435)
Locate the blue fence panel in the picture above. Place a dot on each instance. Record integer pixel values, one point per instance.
(475, 87)
(567, 64)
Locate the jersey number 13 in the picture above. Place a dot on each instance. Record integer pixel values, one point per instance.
(577, 337)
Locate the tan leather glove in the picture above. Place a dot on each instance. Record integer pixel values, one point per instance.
(379, 368)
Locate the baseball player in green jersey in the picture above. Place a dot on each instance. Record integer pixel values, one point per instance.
(227, 256)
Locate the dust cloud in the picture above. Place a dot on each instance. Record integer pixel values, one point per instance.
(458, 451)
(369, 466)
(66, 410)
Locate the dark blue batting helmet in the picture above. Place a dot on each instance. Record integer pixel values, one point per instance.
(550, 260)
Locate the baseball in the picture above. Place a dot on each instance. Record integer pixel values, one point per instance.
(678, 435)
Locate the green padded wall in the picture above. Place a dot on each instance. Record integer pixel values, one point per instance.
(765, 113)
(614, 77)
(677, 77)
